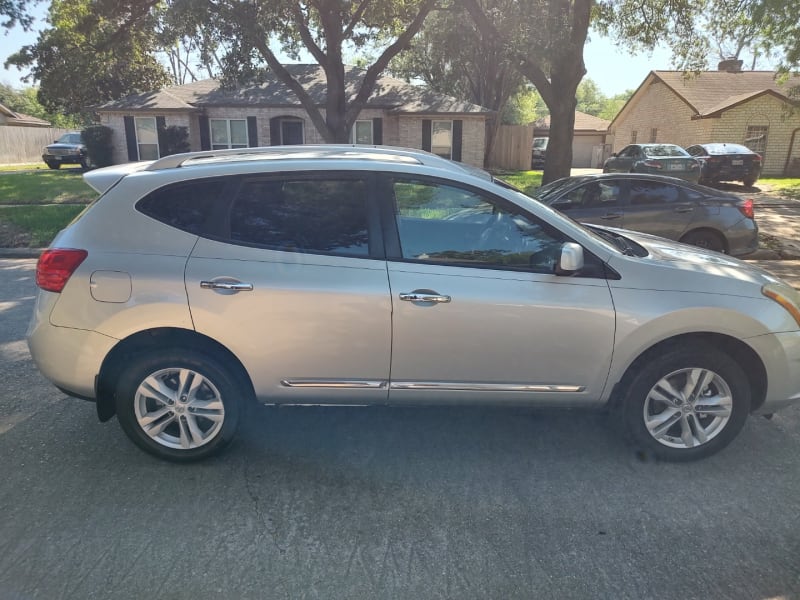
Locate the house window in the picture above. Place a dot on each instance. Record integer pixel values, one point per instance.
(653, 135)
(634, 133)
(756, 138)
(147, 138)
(291, 132)
(442, 138)
(362, 132)
(228, 133)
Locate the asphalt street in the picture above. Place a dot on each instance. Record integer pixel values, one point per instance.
(381, 503)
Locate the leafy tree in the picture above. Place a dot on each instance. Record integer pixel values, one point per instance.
(612, 106)
(13, 12)
(25, 101)
(545, 38)
(326, 29)
(451, 56)
(88, 56)
(524, 107)
(589, 97)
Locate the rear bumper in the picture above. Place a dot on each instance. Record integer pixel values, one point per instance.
(742, 238)
(69, 358)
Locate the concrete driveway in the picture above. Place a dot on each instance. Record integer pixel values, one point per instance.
(381, 503)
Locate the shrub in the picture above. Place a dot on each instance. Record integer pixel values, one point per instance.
(98, 143)
(173, 140)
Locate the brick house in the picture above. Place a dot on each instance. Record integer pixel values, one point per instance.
(727, 105)
(268, 113)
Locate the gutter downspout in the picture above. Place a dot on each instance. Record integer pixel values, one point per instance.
(789, 153)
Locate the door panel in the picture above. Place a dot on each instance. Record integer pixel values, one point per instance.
(320, 323)
(658, 208)
(478, 313)
(499, 330)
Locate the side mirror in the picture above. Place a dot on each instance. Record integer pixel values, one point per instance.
(571, 259)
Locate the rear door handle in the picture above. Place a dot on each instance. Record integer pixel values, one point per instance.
(230, 286)
(608, 216)
(684, 209)
(418, 296)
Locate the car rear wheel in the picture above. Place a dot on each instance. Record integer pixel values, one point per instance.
(705, 238)
(748, 182)
(178, 404)
(685, 404)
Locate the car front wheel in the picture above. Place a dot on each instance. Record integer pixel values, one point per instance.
(53, 165)
(686, 404)
(178, 404)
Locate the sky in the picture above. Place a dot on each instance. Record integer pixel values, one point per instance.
(612, 69)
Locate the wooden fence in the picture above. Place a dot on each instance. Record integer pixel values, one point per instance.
(512, 148)
(25, 144)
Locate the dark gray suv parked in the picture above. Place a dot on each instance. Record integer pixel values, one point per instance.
(69, 149)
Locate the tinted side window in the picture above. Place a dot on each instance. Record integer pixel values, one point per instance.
(591, 195)
(652, 192)
(446, 224)
(302, 215)
(188, 206)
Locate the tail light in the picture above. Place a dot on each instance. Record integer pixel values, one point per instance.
(653, 164)
(714, 159)
(746, 208)
(757, 158)
(56, 266)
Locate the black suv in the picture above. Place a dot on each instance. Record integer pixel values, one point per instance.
(68, 149)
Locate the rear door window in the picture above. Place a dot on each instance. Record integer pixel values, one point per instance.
(653, 192)
(327, 215)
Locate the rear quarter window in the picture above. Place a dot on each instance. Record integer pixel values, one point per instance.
(191, 206)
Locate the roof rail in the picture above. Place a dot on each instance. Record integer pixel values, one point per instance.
(326, 151)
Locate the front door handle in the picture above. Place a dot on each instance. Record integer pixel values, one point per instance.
(230, 286)
(424, 296)
(684, 209)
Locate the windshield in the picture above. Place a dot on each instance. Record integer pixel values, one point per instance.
(70, 138)
(540, 143)
(663, 150)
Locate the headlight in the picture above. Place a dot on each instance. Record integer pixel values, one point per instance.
(785, 296)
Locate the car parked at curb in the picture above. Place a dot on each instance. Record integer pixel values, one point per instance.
(727, 162)
(539, 152)
(657, 159)
(665, 206)
(69, 149)
(203, 283)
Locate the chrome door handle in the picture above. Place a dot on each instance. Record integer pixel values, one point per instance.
(612, 216)
(684, 209)
(424, 297)
(233, 286)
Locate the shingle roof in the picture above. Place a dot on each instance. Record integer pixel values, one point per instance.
(712, 91)
(16, 118)
(583, 122)
(390, 93)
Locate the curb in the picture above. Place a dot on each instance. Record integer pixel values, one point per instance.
(21, 252)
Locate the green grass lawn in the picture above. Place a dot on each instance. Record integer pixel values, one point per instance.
(786, 186)
(37, 225)
(527, 181)
(45, 187)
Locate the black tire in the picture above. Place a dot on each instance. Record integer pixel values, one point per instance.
(726, 384)
(86, 163)
(53, 165)
(193, 410)
(750, 181)
(705, 238)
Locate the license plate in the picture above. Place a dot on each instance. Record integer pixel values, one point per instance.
(674, 167)
(737, 163)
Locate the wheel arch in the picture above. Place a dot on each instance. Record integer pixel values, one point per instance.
(159, 338)
(747, 358)
(706, 229)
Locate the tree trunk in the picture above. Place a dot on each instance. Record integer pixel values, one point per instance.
(558, 159)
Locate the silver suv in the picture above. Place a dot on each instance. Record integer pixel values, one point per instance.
(202, 283)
